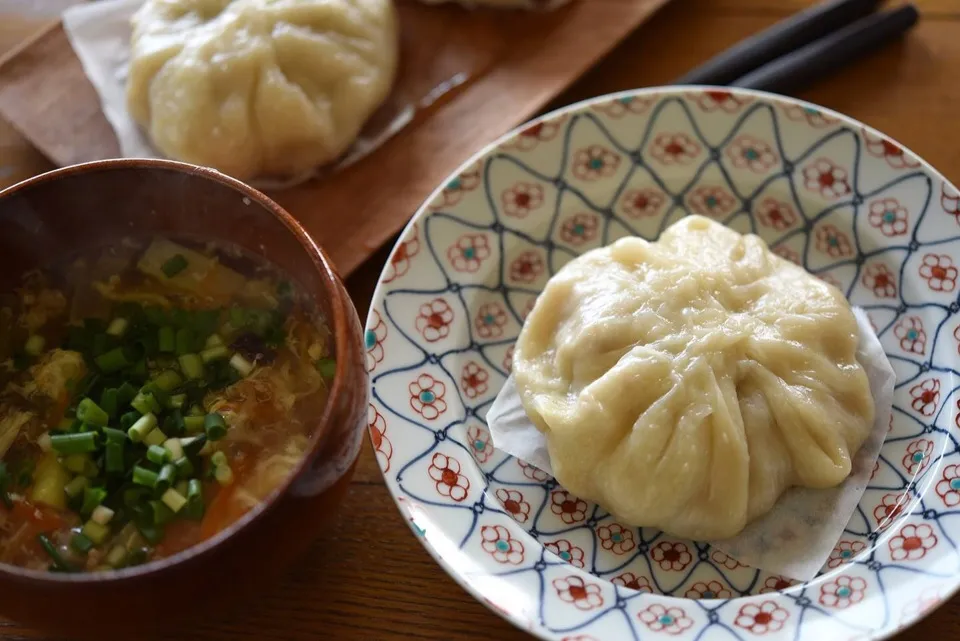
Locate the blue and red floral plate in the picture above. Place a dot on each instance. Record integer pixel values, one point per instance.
(846, 202)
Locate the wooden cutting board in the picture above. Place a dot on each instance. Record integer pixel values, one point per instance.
(508, 66)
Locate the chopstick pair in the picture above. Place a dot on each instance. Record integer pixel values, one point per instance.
(796, 51)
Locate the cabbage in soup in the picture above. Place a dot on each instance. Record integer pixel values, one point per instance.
(150, 395)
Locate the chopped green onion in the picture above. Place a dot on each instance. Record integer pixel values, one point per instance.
(117, 327)
(192, 366)
(194, 490)
(155, 437)
(166, 340)
(76, 463)
(174, 265)
(74, 443)
(144, 425)
(153, 534)
(143, 476)
(193, 424)
(114, 436)
(213, 340)
(173, 423)
(173, 447)
(237, 317)
(58, 561)
(134, 496)
(157, 454)
(173, 500)
(242, 365)
(99, 344)
(113, 361)
(193, 445)
(181, 486)
(214, 426)
(214, 353)
(219, 458)
(205, 321)
(196, 410)
(91, 413)
(177, 400)
(167, 477)
(101, 514)
(95, 532)
(145, 402)
(327, 367)
(223, 474)
(44, 442)
(125, 394)
(92, 497)
(34, 345)
(76, 486)
(128, 419)
(184, 467)
(108, 401)
(81, 543)
(113, 458)
(185, 341)
(160, 513)
(116, 556)
(156, 315)
(167, 380)
(139, 370)
(194, 509)
(160, 396)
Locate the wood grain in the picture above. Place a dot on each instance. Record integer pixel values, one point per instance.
(369, 579)
(514, 63)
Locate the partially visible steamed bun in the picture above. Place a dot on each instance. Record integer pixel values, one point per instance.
(507, 4)
(260, 87)
(685, 384)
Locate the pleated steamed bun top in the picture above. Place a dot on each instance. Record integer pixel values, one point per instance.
(260, 88)
(685, 384)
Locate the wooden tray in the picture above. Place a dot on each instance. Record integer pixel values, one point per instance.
(513, 62)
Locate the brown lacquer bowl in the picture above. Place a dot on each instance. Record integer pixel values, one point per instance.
(93, 205)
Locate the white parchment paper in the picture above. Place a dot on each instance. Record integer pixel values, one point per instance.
(796, 537)
(99, 33)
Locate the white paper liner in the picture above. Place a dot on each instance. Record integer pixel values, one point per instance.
(796, 537)
(99, 33)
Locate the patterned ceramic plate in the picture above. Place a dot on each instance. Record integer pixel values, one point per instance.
(846, 202)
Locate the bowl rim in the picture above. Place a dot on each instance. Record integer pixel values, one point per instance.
(423, 212)
(339, 322)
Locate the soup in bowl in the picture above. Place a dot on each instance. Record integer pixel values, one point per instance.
(181, 390)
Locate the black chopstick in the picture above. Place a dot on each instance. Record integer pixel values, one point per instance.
(780, 39)
(795, 70)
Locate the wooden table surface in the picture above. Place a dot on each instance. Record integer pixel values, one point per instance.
(368, 578)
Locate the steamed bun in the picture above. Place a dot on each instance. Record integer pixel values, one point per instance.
(686, 384)
(259, 87)
(507, 4)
